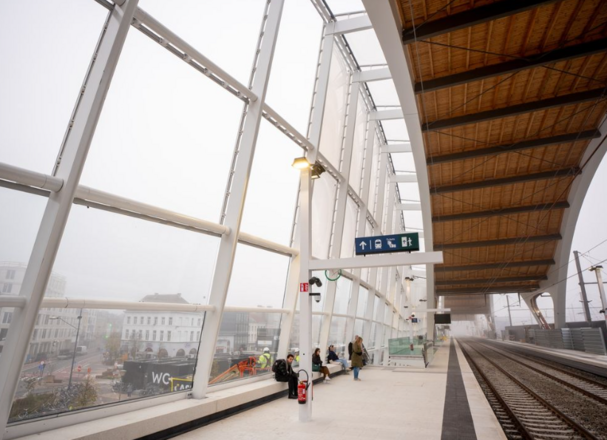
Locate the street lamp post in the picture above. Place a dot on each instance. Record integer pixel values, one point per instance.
(79, 317)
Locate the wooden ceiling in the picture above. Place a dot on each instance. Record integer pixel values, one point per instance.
(510, 93)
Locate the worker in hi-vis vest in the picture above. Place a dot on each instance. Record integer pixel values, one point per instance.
(266, 360)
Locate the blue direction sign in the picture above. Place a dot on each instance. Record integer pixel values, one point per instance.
(383, 244)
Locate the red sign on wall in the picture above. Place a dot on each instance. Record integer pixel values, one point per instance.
(303, 287)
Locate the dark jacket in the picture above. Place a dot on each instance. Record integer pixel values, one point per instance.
(333, 356)
(284, 371)
(350, 351)
(316, 360)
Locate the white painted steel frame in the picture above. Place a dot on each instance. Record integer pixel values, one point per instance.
(213, 72)
(70, 164)
(341, 205)
(385, 18)
(356, 24)
(237, 193)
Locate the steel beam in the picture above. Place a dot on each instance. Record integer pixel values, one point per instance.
(409, 207)
(566, 172)
(500, 242)
(516, 146)
(499, 265)
(469, 18)
(404, 178)
(397, 148)
(388, 260)
(373, 75)
(492, 280)
(355, 24)
(500, 212)
(513, 110)
(387, 115)
(488, 290)
(563, 54)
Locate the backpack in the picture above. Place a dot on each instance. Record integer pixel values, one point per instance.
(276, 365)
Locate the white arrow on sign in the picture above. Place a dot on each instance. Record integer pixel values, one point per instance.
(363, 244)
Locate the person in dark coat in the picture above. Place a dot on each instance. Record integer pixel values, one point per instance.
(357, 356)
(317, 361)
(284, 373)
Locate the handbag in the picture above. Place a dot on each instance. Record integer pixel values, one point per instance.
(315, 367)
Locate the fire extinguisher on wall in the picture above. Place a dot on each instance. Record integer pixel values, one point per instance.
(302, 388)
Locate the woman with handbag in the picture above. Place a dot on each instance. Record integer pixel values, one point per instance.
(357, 356)
(318, 366)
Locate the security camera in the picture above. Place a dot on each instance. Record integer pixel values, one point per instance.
(315, 281)
(317, 298)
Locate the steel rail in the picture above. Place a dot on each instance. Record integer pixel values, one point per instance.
(518, 424)
(567, 420)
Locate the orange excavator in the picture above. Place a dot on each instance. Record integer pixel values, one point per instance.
(238, 370)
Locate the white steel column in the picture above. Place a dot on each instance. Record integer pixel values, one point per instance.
(69, 166)
(361, 228)
(381, 192)
(340, 216)
(314, 132)
(237, 193)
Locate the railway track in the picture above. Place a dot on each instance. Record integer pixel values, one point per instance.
(522, 412)
(583, 385)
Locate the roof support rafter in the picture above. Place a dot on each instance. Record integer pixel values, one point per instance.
(385, 115)
(542, 59)
(513, 110)
(397, 148)
(556, 174)
(484, 266)
(404, 178)
(517, 146)
(500, 242)
(500, 212)
(373, 75)
(471, 17)
(492, 280)
(355, 24)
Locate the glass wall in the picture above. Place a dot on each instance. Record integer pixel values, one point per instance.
(166, 137)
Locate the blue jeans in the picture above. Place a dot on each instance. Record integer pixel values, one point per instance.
(356, 370)
(343, 362)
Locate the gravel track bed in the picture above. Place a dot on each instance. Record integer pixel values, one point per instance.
(585, 411)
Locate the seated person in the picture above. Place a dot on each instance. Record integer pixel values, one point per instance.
(318, 366)
(334, 358)
(283, 372)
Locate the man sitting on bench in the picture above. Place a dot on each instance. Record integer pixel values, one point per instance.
(283, 372)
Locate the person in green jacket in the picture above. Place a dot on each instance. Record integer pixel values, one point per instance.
(357, 356)
(266, 360)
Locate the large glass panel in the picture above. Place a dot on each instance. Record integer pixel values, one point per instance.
(395, 130)
(335, 109)
(272, 191)
(258, 278)
(46, 50)
(294, 71)
(246, 346)
(384, 93)
(366, 47)
(347, 246)
(342, 296)
(114, 257)
(337, 336)
(81, 358)
(363, 297)
(203, 27)
(295, 334)
(323, 204)
(359, 327)
(358, 145)
(176, 146)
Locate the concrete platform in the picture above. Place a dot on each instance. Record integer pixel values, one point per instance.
(442, 402)
(388, 403)
(591, 363)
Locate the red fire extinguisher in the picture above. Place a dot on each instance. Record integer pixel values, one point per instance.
(302, 388)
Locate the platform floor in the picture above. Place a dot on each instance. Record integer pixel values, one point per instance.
(388, 403)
